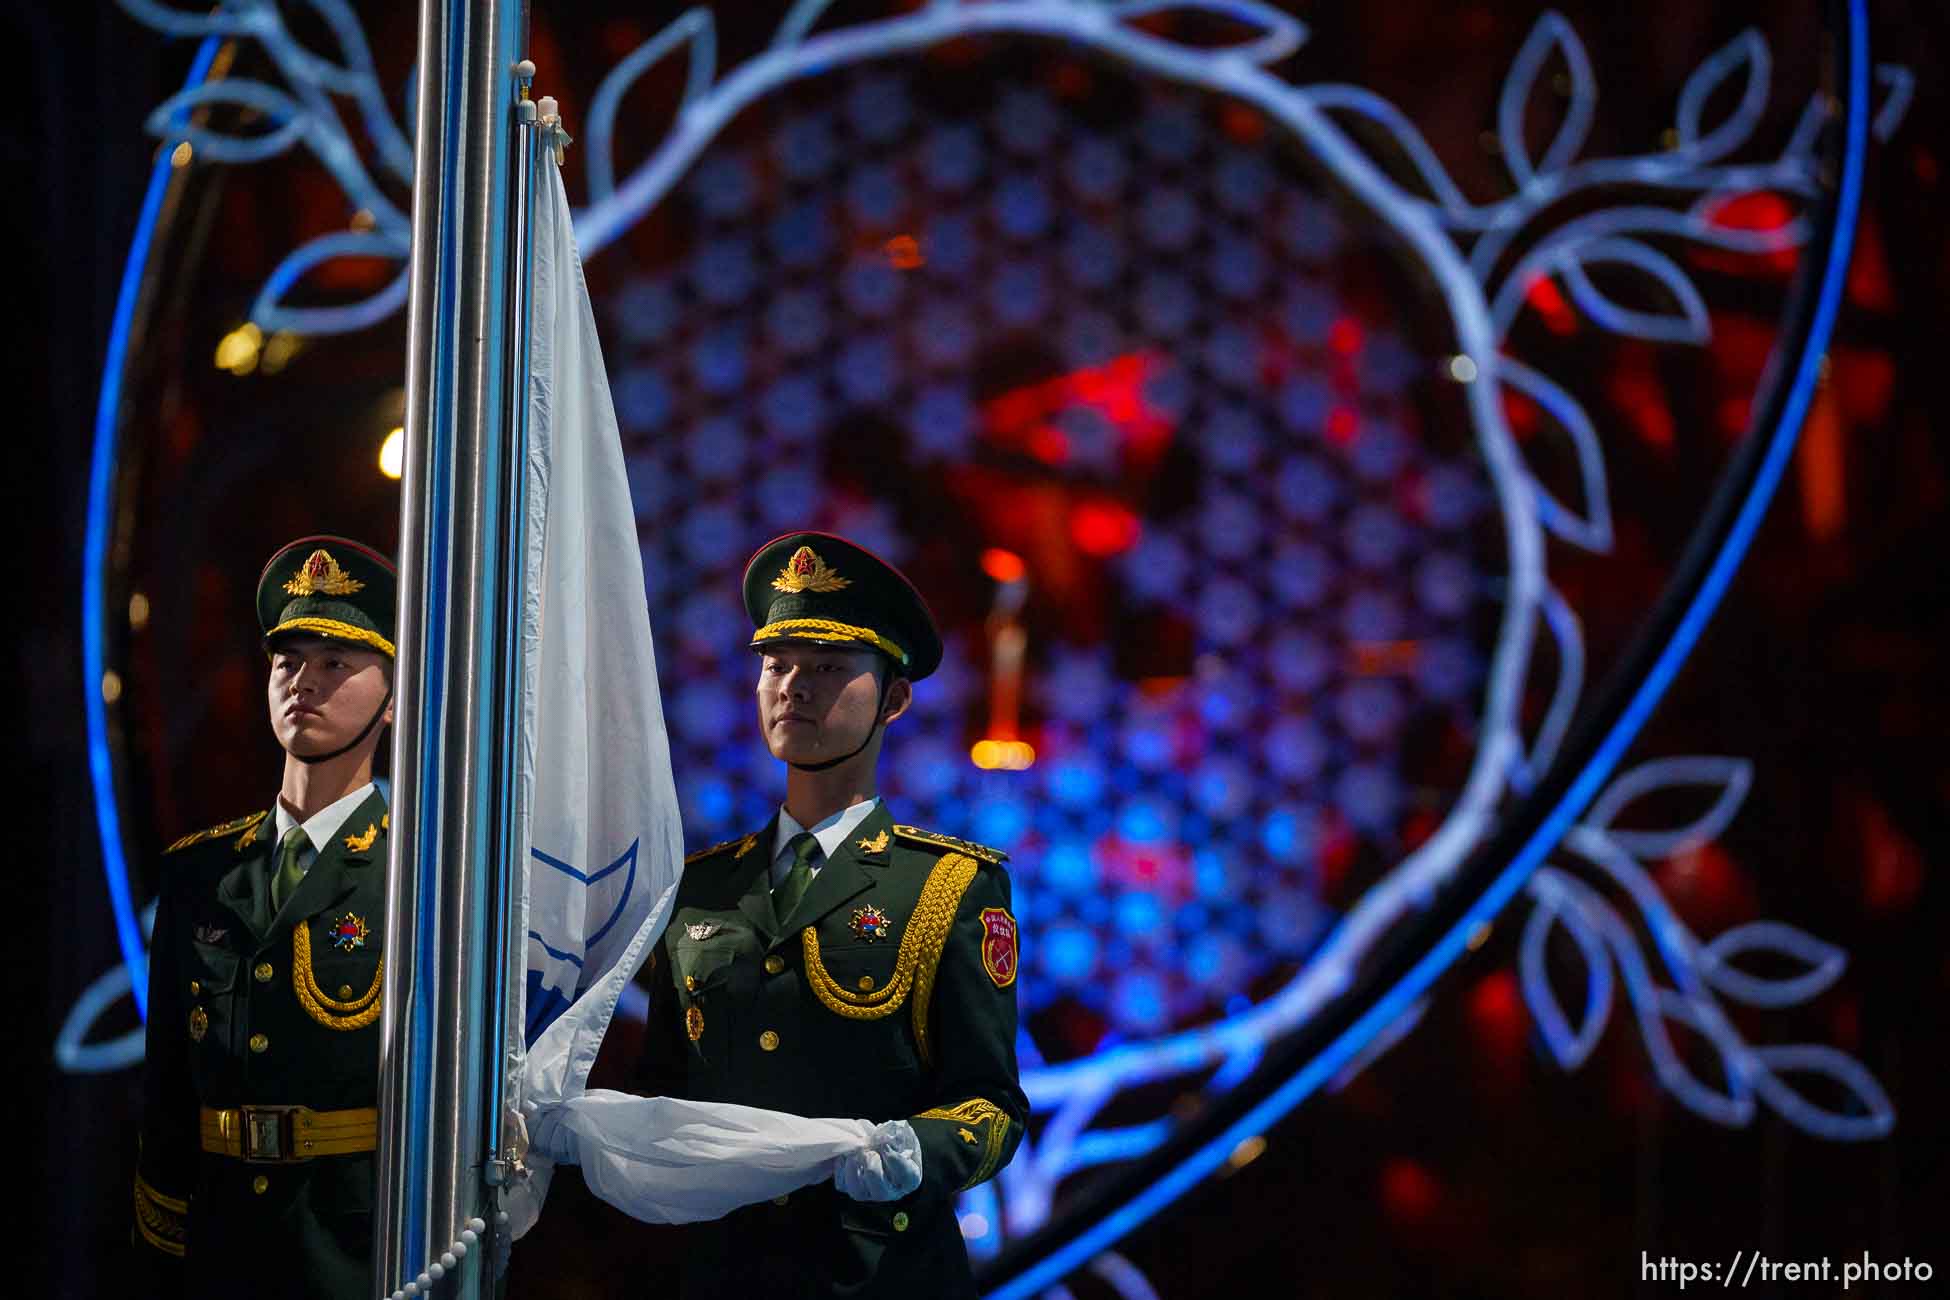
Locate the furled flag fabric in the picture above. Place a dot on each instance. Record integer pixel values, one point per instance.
(601, 837)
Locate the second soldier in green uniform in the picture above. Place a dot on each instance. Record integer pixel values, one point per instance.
(834, 963)
(260, 1082)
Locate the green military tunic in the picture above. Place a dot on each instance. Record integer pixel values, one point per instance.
(887, 993)
(252, 1008)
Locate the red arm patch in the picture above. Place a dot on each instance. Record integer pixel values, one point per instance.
(999, 946)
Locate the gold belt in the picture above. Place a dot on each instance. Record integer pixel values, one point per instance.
(282, 1135)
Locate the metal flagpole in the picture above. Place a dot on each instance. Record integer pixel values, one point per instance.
(454, 746)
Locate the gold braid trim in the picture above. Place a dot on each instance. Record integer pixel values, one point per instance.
(329, 1012)
(159, 1218)
(333, 629)
(914, 965)
(825, 629)
(976, 1112)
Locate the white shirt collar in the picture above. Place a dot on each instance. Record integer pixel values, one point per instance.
(322, 825)
(830, 833)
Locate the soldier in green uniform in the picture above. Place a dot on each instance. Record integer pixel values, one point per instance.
(260, 1083)
(833, 963)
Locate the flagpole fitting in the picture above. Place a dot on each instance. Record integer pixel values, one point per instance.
(525, 73)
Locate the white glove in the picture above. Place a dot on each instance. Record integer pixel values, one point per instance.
(887, 1168)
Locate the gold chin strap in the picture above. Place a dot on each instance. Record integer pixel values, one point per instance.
(916, 962)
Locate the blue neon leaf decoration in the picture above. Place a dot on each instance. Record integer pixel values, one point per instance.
(1375, 109)
(1277, 34)
(1822, 964)
(1733, 1105)
(1561, 621)
(1591, 529)
(1558, 907)
(286, 118)
(798, 21)
(245, 19)
(271, 314)
(1902, 87)
(1690, 324)
(355, 77)
(1876, 1118)
(1747, 52)
(1728, 778)
(1551, 32)
(693, 30)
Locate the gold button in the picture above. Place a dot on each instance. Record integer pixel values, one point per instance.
(866, 983)
(900, 1220)
(782, 1200)
(260, 1184)
(690, 984)
(195, 988)
(345, 991)
(774, 964)
(263, 972)
(769, 1041)
(259, 1042)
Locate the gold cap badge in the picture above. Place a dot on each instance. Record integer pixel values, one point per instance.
(805, 571)
(320, 574)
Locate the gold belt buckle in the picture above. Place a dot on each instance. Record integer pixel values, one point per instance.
(267, 1134)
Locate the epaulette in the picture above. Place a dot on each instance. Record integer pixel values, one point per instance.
(218, 832)
(743, 846)
(994, 857)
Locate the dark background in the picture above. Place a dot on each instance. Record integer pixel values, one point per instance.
(1462, 1164)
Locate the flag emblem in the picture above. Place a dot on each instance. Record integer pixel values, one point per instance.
(348, 932)
(805, 571)
(320, 574)
(999, 946)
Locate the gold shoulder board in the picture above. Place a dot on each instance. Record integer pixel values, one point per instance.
(218, 832)
(743, 846)
(993, 857)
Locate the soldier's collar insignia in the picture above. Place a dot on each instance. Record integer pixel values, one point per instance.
(209, 934)
(805, 571)
(701, 930)
(362, 843)
(320, 574)
(348, 932)
(870, 924)
(877, 844)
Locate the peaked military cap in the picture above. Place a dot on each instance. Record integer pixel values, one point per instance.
(330, 587)
(823, 589)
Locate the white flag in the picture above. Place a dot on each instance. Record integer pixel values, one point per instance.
(600, 834)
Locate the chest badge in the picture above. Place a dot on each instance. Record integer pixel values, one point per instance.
(348, 932)
(694, 1023)
(870, 924)
(199, 1024)
(699, 931)
(210, 933)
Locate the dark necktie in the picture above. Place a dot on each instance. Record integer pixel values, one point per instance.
(793, 887)
(295, 842)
